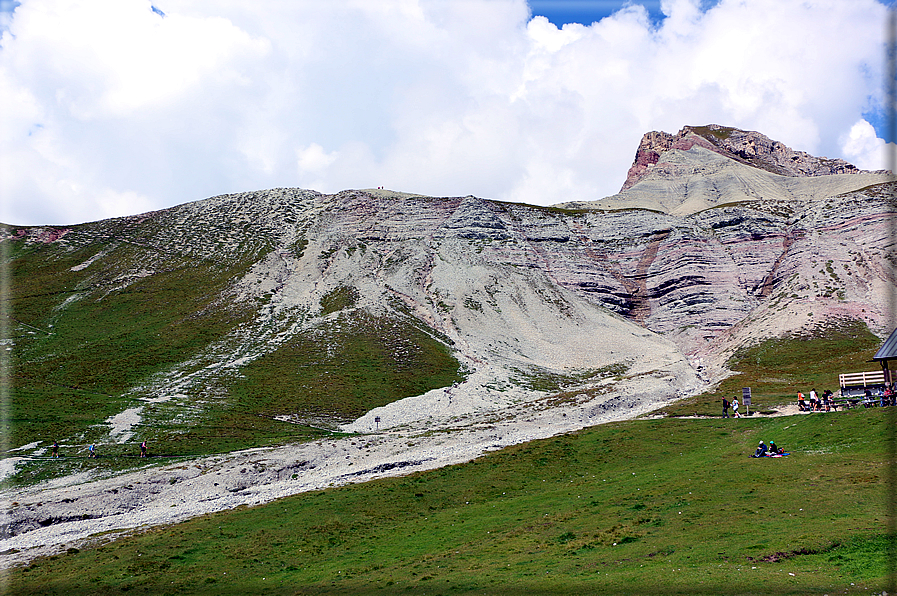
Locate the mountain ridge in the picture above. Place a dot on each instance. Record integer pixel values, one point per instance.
(271, 317)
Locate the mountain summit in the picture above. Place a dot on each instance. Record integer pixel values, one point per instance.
(704, 166)
(746, 147)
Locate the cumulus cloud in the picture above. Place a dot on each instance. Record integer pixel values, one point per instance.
(112, 107)
(862, 147)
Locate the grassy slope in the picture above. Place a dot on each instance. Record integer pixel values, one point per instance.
(355, 363)
(73, 363)
(777, 369)
(688, 510)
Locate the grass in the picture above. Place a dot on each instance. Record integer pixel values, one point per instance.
(717, 133)
(543, 379)
(642, 507)
(74, 358)
(355, 364)
(776, 369)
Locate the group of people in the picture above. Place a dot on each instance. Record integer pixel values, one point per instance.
(884, 398)
(815, 403)
(733, 404)
(768, 451)
(91, 450)
(826, 402)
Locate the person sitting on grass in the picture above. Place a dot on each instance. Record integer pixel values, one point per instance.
(761, 450)
(774, 449)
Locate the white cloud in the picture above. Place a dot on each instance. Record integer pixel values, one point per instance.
(110, 108)
(862, 147)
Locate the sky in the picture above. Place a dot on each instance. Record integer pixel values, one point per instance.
(118, 107)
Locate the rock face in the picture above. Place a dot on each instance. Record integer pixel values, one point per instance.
(709, 166)
(747, 147)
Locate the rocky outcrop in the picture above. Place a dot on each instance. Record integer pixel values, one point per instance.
(747, 147)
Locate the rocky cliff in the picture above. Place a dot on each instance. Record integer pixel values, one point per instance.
(743, 146)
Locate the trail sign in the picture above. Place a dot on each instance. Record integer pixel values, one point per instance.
(746, 399)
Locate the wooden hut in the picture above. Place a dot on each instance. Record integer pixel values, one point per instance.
(886, 353)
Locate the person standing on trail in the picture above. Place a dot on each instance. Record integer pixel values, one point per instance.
(725, 408)
(55, 449)
(801, 404)
(143, 449)
(735, 408)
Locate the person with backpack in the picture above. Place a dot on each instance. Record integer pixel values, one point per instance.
(726, 405)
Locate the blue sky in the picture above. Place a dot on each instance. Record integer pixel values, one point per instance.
(115, 107)
(586, 12)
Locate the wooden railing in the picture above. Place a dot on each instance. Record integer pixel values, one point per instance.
(862, 379)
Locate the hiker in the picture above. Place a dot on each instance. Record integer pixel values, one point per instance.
(735, 408)
(91, 452)
(143, 449)
(726, 405)
(761, 450)
(55, 449)
(814, 400)
(801, 404)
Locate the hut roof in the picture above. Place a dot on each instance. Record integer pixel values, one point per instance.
(888, 350)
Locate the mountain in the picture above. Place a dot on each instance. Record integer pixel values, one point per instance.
(284, 316)
(321, 310)
(709, 166)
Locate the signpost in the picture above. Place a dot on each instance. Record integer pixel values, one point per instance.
(746, 399)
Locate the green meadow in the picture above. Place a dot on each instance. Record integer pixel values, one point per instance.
(776, 369)
(667, 506)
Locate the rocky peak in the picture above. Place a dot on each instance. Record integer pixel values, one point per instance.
(747, 147)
